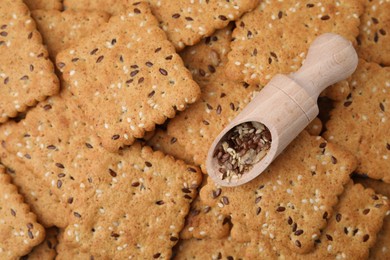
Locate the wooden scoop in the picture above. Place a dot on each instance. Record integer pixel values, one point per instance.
(288, 103)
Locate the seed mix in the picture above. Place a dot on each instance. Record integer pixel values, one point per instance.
(243, 146)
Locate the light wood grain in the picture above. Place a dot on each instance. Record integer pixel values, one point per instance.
(288, 103)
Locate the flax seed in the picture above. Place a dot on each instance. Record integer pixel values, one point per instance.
(243, 146)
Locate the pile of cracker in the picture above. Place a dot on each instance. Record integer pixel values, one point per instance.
(108, 108)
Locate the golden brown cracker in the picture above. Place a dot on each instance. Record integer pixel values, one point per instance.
(61, 30)
(374, 35)
(360, 123)
(350, 232)
(43, 203)
(19, 230)
(185, 22)
(275, 37)
(291, 195)
(26, 73)
(147, 80)
(54, 144)
(138, 210)
(133, 202)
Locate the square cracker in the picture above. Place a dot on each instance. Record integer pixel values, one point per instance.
(350, 232)
(154, 194)
(37, 194)
(53, 143)
(26, 73)
(381, 249)
(60, 30)
(275, 37)
(147, 80)
(43, 203)
(44, 4)
(293, 190)
(374, 36)
(361, 122)
(19, 230)
(155, 191)
(358, 219)
(185, 22)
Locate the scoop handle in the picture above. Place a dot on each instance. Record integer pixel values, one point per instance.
(330, 59)
(288, 103)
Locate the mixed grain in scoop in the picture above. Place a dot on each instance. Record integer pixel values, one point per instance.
(244, 146)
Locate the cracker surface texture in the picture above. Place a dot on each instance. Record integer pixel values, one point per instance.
(26, 73)
(167, 144)
(204, 221)
(139, 208)
(47, 249)
(61, 30)
(19, 230)
(137, 83)
(275, 37)
(185, 22)
(374, 36)
(360, 123)
(350, 233)
(291, 195)
(120, 203)
(43, 203)
(381, 249)
(203, 58)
